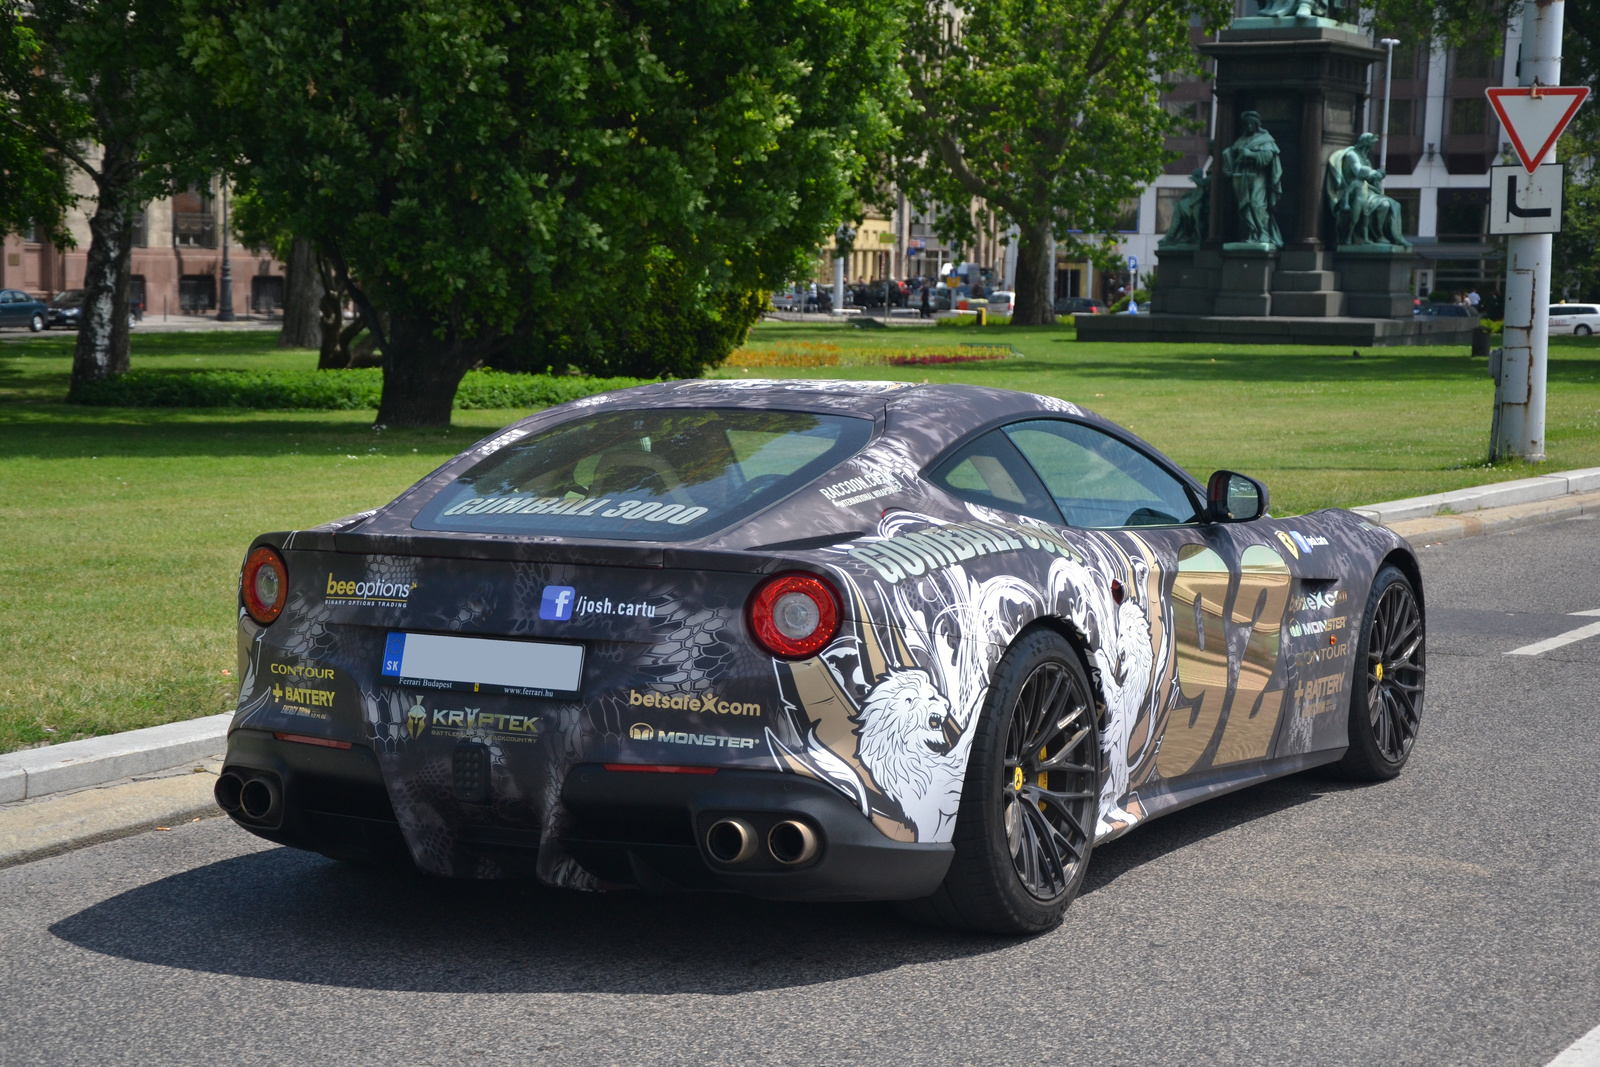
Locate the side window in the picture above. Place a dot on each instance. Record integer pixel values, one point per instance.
(1096, 480)
(989, 471)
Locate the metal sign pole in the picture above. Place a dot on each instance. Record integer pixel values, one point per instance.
(1520, 394)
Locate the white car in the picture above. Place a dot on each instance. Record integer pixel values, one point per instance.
(1002, 302)
(1581, 319)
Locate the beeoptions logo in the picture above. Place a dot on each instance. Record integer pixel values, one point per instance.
(556, 604)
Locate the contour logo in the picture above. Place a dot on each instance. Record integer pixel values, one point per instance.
(556, 604)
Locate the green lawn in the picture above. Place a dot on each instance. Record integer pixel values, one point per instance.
(121, 531)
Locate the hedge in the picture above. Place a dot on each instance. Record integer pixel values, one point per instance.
(326, 390)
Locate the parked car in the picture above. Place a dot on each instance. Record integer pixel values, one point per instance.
(789, 300)
(810, 640)
(66, 309)
(1002, 302)
(1079, 305)
(1441, 310)
(1580, 319)
(17, 308)
(820, 300)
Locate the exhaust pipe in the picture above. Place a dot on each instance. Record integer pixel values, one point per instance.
(261, 800)
(792, 842)
(227, 792)
(731, 841)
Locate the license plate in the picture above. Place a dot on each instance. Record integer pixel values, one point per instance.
(519, 668)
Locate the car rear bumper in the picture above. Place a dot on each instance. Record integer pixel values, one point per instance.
(627, 828)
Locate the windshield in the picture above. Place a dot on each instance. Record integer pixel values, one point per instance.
(670, 474)
(70, 298)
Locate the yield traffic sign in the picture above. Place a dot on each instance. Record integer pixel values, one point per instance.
(1534, 117)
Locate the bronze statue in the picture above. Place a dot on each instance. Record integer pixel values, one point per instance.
(1300, 9)
(1190, 215)
(1362, 216)
(1253, 165)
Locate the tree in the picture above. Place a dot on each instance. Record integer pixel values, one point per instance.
(491, 174)
(99, 85)
(35, 184)
(1043, 116)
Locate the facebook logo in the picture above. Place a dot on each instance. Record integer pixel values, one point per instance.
(557, 602)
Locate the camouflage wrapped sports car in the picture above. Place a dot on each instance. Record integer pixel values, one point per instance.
(808, 640)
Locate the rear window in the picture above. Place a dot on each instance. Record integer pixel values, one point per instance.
(669, 474)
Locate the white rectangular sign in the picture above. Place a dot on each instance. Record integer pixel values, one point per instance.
(1520, 202)
(531, 668)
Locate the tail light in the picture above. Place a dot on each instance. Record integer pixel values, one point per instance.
(794, 615)
(264, 585)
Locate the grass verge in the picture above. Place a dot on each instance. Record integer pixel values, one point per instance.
(122, 529)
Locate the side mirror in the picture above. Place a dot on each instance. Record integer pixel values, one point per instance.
(1232, 497)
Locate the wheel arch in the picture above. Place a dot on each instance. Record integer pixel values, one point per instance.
(1405, 561)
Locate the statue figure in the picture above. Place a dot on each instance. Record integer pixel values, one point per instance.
(1300, 9)
(1190, 215)
(1353, 188)
(1253, 165)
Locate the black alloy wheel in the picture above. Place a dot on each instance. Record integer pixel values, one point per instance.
(1389, 679)
(1049, 792)
(1030, 801)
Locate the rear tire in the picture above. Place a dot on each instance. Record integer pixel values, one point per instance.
(1030, 800)
(1389, 673)
(1582, 330)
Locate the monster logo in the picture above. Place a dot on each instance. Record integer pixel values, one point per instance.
(416, 720)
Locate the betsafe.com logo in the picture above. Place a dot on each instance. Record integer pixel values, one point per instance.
(556, 603)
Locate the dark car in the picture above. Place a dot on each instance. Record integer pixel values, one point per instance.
(1442, 310)
(17, 308)
(1079, 305)
(808, 640)
(66, 309)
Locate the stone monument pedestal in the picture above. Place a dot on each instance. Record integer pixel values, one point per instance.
(1376, 281)
(1186, 280)
(1306, 285)
(1246, 285)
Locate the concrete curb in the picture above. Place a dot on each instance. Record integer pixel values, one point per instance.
(36, 772)
(33, 830)
(81, 764)
(1493, 520)
(1499, 495)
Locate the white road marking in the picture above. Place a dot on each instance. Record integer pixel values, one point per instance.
(1591, 611)
(1584, 1052)
(1571, 636)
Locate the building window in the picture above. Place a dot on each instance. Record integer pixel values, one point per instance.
(197, 292)
(30, 233)
(1400, 117)
(266, 293)
(1128, 221)
(1165, 199)
(1461, 214)
(1469, 117)
(1410, 201)
(1474, 61)
(194, 220)
(141, 230)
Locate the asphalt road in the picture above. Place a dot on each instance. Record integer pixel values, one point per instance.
(1448, 917)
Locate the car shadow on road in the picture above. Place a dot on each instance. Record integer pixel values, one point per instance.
(292, 916)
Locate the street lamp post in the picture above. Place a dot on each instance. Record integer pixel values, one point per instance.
(1388, 76)
(225, 310)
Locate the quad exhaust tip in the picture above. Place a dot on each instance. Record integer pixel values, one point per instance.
(792, 842)
(227, 790)
(731, 841)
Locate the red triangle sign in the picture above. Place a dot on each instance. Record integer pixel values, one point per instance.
(1535, 116)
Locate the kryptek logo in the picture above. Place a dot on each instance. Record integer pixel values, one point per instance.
(556, 603)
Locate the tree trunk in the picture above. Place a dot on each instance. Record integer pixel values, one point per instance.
(1035, 278)
(302, 298)
(102, 349)
(421, 373)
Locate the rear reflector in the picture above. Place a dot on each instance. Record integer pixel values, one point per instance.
(304, 740)
(659, 768)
